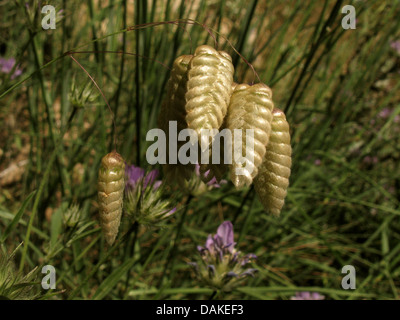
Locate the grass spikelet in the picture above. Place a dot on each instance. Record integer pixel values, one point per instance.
(250, 108)
(272, 180)
(209, 88)
(110, 186)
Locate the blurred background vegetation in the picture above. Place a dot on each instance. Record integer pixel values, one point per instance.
(339, 89)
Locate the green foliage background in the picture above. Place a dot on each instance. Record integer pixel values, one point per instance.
(334, 85)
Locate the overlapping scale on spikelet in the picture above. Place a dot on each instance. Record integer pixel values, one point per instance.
(217, 170)
(173, 109)
(211, 170)
(250, 108)
(110, 186)
(208, 90)
(272, 180)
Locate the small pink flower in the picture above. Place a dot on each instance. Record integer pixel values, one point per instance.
(213, 182)
(136, 175)
(6, 65)
(395, 45)
(385, 113)
(307, 296)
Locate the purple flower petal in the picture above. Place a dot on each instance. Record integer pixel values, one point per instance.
(385, 113)
(212, 181)
(218, 241)
(211, 269)
(16, 73)
(210, 244)
(317, 296)
(395, 45)
(232, 245)
(169, 212)
(305, 295)
(157, 184)
(150, 178)
(249, 272)
(225, 231)
(133, 175)
(222, 261)
(232, 274)
(7, 65)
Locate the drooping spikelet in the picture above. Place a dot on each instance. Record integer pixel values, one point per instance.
(250, 108)
(209, 88)
(272, 180)
(173, 109)
(173, 106)
(216, 170)
(110, 186)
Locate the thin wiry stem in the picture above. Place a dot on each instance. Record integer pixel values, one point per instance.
(138, 27)
(213, 295)
(104, 98)
(171, 254)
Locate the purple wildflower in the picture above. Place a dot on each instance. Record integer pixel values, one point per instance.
(144, 197)
(385, 113)
(317, 162)
(213, 183)
(151, 179)
(172, 211)
(221, 242)
(223, 266)
(395, 45)
(60, 14)
(7, 65)
(225, 234)
(135, 175)
(305, 295)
